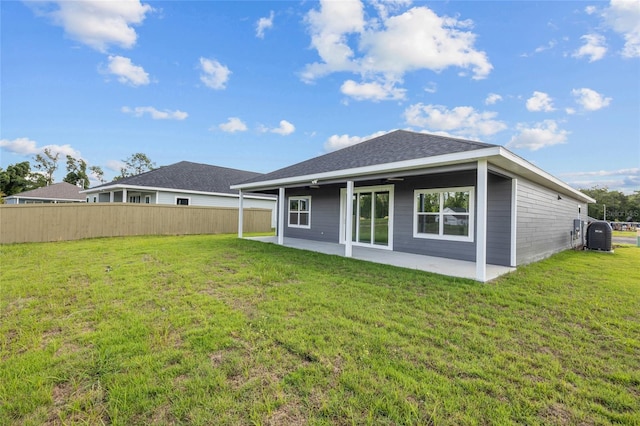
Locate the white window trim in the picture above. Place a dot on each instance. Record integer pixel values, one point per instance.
(298, 197)
(471, 213)
(175, 201)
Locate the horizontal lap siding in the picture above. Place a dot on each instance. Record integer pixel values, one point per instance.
(403, 217)
(498, 220)
(325, 214)
(544, 222)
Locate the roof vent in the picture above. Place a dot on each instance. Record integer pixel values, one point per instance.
(599, 236)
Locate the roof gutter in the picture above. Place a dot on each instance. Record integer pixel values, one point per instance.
(499, 154)
(418, 163)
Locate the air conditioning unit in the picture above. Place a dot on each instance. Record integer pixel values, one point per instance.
(599, 236)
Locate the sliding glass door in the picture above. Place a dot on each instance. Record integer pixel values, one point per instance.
(370, 220)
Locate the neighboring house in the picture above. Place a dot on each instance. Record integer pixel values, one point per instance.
(62, 192)
(426, 194)
(183, 183)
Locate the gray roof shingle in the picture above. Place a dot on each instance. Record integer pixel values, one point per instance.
(399, 145)
(188, 176)
(56, 191)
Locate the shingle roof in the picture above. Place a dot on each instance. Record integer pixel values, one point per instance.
(188, 176)
(399, 145)
(56, 191)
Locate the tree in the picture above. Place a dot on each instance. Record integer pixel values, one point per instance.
(77, 172)
(97, 172)
(47, 164)
(619, 207)
(19, 178)
(135, 164)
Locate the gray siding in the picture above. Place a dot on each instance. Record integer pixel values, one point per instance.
(544, 222)
(325, 217)
(498, 220)
(403, 221)
(325, 214)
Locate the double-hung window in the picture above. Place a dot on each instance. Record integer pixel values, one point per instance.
(300, 212)
(444, 213)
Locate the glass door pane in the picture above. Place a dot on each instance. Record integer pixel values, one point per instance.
(364, 217)
(381, 219)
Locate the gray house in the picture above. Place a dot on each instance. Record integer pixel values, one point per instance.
(184, 183)
(427, 195)
(61, 192)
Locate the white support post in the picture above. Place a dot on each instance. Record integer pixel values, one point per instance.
(110, 196)
(514, 221)
(348, 226)
(281, 216)
(481, 222)
(124, 195)
(240, 213)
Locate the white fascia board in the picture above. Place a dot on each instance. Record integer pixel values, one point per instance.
(171, 190)
(417, 163)
(520, 162)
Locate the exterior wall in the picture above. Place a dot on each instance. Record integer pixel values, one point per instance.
(498, 220)
(325, 214)
(325, 217)
(403, 221)
(544, 223)
(169, 198)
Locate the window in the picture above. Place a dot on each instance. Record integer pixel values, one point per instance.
(147, 199)
(134, 199)
(182, 201)
(300, 212)
(444, 213)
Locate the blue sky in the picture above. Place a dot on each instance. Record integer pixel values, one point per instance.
(262, 85)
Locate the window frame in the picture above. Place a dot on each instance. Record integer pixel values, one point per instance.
(307, 198)
(441, 214)
(183, 198)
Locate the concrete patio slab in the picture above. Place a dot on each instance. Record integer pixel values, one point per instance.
(438, 265)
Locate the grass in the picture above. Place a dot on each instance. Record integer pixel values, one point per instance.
(630, 234)
(216, 330)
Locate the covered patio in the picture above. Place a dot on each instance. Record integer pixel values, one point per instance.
(438, 265)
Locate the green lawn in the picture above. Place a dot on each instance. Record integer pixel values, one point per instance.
(216, 330)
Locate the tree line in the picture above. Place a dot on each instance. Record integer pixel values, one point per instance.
(25, 176)
(613, 206)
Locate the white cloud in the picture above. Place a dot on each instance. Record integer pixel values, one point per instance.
(623, 16)
(626, 180)
(492, 98)
(594, 47)
(96, 23)
(264, 24)
(372, 91)
(284, 129)
(127, 72)
(590, 100)
(540, 101)
(548, 46)
(214, 74)
(26, 146)
(154, 113)
(384, 48)
(463, 120)
(234, 124)
(431, 87)
(541, 135)
(115, 165)
(337, 142)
